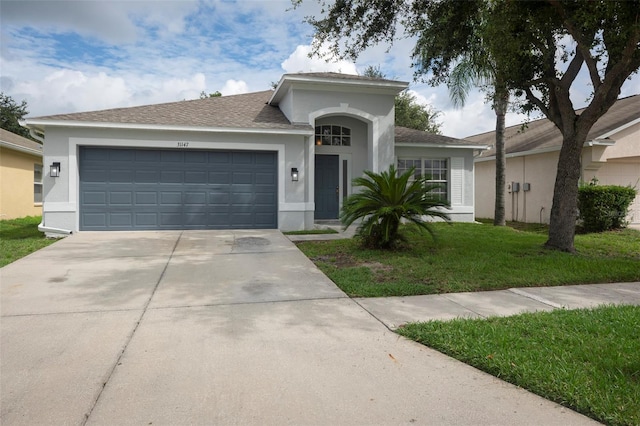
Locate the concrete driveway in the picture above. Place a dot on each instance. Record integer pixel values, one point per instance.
(220, 327)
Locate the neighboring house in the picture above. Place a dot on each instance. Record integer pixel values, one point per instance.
(611, 154)
(281, 158)
(20, 176)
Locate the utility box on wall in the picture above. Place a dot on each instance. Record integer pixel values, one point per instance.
(526, 186)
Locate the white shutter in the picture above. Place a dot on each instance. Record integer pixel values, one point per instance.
(457, 181)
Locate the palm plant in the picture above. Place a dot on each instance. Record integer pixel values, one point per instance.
(386, 200)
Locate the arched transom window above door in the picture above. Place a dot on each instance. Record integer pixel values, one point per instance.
(333, 135)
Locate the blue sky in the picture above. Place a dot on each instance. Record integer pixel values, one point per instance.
(68, 56)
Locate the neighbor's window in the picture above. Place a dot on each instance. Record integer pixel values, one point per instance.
(37, 183)
(333, 135)
(435, 169)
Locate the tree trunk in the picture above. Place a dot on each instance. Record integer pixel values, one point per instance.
(562, 225)
(500, 106)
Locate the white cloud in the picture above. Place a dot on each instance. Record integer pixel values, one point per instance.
(113, 22)
(234, 87)
(299, 61)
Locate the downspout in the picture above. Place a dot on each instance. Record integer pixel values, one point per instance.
(36, 136)
(32, 132)
(53, 232)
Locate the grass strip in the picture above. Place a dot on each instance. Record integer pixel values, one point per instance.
(475, 257)
(587, 360)
(20, 237)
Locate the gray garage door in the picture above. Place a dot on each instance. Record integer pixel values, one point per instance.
(124, 189)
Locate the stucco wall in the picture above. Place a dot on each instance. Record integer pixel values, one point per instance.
(62, 144)
(16, 184)
(524, 206)
(307, 106)
(540, 171)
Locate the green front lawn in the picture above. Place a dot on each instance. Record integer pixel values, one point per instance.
(20, 237)
(475, 257)
(587, 360)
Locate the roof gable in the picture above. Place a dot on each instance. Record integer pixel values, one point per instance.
(542, 134)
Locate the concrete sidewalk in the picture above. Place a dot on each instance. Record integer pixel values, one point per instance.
(396, 311)
(221, 327)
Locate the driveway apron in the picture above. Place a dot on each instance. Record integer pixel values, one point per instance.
(220, 327)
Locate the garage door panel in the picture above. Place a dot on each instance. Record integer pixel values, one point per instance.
(169, 189)
(242, 158)
(171, 176)
(121, 219)
(146, 219)
(121, 176)
(150, 156)
(146, 198)
(242, 178)
(196, 177)
(95, 198)
(219, 177)
(195, 198)
(147, 176)
(95, 220)
(171, 198)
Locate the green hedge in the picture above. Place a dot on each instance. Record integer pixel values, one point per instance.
(604, 207)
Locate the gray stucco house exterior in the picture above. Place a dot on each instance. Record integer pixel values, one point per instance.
(282, 158)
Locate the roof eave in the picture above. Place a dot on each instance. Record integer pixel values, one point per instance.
(589, 143)
(24, 149)
(438, 145)
(42, 124)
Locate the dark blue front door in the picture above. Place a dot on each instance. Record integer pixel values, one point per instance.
(326, 186)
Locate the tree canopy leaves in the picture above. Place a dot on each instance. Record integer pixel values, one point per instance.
(10, 113)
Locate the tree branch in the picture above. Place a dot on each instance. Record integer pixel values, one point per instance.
(583, 44)
(537, 102)
(573, 69)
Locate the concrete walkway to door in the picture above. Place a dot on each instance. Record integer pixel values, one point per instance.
(220, 327)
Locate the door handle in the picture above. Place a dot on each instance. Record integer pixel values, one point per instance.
(338, 193)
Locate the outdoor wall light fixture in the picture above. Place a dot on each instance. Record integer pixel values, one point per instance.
(55, 170)
(294, 174)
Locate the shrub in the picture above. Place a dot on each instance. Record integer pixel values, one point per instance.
(604, 207)
(385, 201)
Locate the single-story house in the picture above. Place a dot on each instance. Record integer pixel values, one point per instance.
(20, 176)
(611, 155)
(282, 158)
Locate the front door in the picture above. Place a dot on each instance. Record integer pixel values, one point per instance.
(327, 186)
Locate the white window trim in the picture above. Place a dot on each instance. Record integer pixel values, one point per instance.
(422, 171)
(35, 182)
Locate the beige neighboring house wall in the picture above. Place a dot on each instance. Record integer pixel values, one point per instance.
(611, 155)
(19, 158)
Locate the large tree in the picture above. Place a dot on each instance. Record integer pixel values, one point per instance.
(540, 48)
(10, 113)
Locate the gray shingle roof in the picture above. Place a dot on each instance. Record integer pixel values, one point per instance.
(13, 139)
(543, 134)
(248, 110)
(406, 135)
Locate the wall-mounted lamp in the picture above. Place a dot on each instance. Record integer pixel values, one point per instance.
(55, 170)
(294, 174)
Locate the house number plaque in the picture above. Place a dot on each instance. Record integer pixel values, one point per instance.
(183, 144)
